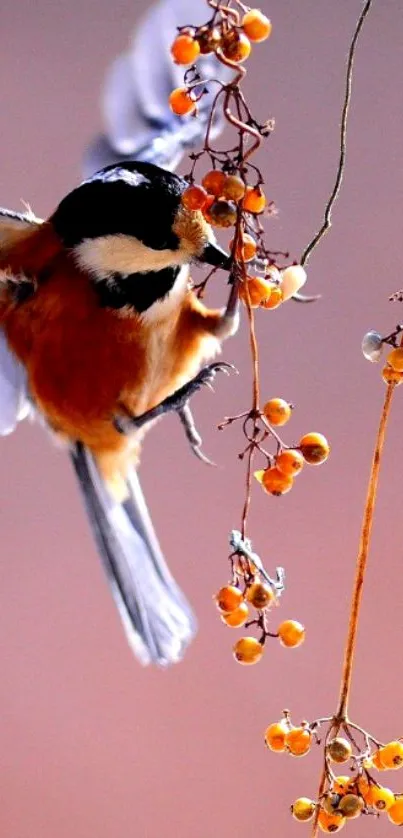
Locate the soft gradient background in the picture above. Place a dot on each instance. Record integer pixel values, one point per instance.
(90, 743)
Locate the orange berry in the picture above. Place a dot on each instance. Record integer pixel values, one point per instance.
(395, 359)
(395, 813)
(194, 197)
(330, 823)
(256, 25)
(248, 650)
(254, 200)
(298, 741)
(206, 208)
(259, 291)
(260, 595)
(246, 248)
(222, 213)
(277, 411)
(185, 50)
(365, 789)
(391, 755)
(229, 598)
(315, 448)
(234, 188)
(213, 182)
(209, 39)
(275, 299)
(291, 633)
(275, 482)
(236, 618)
(290, 462)
(181, 101)
(342, 784)
(303, 809)
(376, 762)
(350, 806)
(339, 749)
(382, 799)
(391, 376)
(275, 736)
(236, 47)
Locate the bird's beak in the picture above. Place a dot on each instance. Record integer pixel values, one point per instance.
(214, 255)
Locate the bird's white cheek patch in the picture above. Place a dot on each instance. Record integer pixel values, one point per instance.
(107, 255)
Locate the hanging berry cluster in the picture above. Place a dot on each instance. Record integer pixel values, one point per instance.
(230, 193)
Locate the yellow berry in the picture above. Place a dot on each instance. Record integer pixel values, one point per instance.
(275, 299)
(391, 376)
(181, 101)
(185, 50)
(382, 798)
(330, 823)
(395, 813)
(341, 784)
(234, 188)
(248, 650)
(391, 755)
(259, 291)
(275, 736)
(291, 633)
(236, 47)
(290, 462)
(246, 248)
(256, 25)
(376, 761)
(260, 595)
(303, 809)
(315, 448)
(339, 750)
(395, 359)
(236, 618)
(351, 806)
(254, 200)
(298, 741)
(277, 411)
(229, 598)
(276, 483)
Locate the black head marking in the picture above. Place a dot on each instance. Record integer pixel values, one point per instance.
(138, 291)
(135, 199)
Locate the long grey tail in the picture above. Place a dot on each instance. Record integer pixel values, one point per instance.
(158, 620)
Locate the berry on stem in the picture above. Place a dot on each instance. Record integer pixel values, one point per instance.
(275, 736)
(236, 618)
(339, 750)
(330, 823)
(303, 809)
(259, 291)
(275, 299)
(194, 197)
(277, 411)
(291, 633)
(256, 25)
(185, 49)
(213, 182)
(248, 650)
(254, 200)
(228, 598)
(382, 798)
(223, 213)
(290, 462)
(315, 448)
(391, 755)
(246, 248)
(395, 359)
(181, 101)
(234, 188)
(236, 47)
(275, 482)
(395, 813)
(260, 595)
(298, 741)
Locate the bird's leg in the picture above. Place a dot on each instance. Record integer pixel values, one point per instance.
(194, 438)
(177, 402)
(228, 323)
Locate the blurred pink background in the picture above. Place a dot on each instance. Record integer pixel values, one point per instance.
(91, 743)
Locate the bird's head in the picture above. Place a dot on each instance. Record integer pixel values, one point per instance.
(129, 218)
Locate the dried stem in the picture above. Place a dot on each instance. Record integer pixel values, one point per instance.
(362, 559)
(327, 222)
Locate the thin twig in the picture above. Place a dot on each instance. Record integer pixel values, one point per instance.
(327, 222)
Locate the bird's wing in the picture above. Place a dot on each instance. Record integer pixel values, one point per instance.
(14, 401)
(139, 122)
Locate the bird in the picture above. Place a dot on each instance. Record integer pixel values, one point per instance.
(101, 333)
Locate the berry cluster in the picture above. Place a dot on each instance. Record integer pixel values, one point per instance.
(372, 347)
(235, 607)
(228, 35)
(345, 797)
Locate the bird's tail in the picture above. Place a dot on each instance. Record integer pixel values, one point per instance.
(158, 620)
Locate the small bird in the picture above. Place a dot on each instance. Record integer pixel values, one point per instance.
(101, 333)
